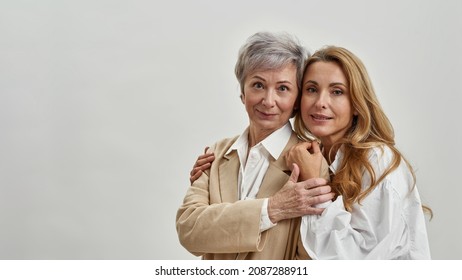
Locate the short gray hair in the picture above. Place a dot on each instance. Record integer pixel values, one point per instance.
(265, 50)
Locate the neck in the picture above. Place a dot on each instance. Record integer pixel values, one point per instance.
(256, 136)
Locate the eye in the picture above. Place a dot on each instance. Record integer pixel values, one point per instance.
(258, 85)
(283, 88)
(337, 92)
(311, 89)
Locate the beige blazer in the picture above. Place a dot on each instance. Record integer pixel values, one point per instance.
(215, 224)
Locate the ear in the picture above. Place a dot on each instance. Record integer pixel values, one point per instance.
(242, 98)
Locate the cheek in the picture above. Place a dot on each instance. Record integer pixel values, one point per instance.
(346, 111)
(305, 106)
(287, 104)
(249, 100)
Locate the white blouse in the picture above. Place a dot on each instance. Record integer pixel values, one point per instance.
(387, 224)
(253, 170)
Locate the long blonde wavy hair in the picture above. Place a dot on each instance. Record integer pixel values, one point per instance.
(370, 128)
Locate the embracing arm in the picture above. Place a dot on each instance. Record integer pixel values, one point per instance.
(204, 227)
(387, 224)
(290, 202)
(202, 163)
(235, 227)
(374, 230)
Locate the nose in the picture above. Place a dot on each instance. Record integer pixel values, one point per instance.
(269, 99)
(322, 101)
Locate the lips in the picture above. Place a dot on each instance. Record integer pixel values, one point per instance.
(265, 114)
(320, 117)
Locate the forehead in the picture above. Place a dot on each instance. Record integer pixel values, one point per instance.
(288, 72)
(325, 71)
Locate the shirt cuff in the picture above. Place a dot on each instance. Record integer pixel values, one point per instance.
(265, 222)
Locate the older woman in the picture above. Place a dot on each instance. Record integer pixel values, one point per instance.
(378, 212)
(246, 206)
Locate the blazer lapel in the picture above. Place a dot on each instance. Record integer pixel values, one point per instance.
(228, 173)
(278, 173)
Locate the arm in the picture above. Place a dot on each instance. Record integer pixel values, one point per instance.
(218, 228)
(283, 204)
(314, 167)
(380, 227)
(209, 223)
(202, 163)
(371, 231)
(234, 227)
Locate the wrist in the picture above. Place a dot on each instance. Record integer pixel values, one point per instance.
(274, 213)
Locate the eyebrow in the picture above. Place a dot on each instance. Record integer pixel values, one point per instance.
(331, 84)
(278, 82)
(311, 82)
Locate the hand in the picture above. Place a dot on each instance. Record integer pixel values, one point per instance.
(202, 163)
(308, 156)
(298, 199)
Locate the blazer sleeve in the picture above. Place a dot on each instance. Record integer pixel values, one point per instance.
(226, 227)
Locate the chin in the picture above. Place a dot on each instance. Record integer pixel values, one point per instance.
(318, 133)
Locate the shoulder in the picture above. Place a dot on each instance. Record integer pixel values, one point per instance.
(382, 158)
(223, 145)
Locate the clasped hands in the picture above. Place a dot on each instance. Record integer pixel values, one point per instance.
(301, 193)
(304, 189)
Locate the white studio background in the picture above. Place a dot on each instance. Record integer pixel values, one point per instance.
(105, 105)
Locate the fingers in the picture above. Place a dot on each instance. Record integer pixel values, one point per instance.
(197, 172)
(195, 176)
(295, 172)
(315, 204)
(316, 200)
(313, 211)
(202, 167)
(202, 163)
(301, 147)
(304, 145)
(315, 147)
(314, 182)
(204, 159)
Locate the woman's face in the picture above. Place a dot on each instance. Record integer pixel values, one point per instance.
(269, 98)
(325, 107)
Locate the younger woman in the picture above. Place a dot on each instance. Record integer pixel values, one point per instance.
(378, 212)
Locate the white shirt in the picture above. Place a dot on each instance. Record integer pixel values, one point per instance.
(388, 224)
(252, 170)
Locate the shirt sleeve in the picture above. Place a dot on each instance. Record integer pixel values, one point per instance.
(338, 234)
(265, 222)
(380, 227)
